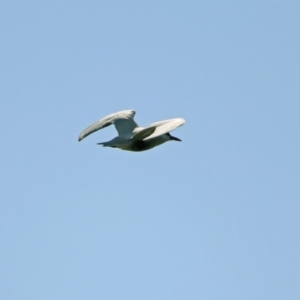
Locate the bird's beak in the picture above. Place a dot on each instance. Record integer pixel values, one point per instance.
(175, 139)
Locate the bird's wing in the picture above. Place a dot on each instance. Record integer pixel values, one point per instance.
(158, 128)
(123, 121)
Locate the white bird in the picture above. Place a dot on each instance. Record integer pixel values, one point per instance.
(131, 136)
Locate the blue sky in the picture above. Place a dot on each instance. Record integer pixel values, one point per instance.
(213, 217)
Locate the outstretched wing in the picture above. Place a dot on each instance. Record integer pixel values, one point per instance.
(123, 121)
(158, 128)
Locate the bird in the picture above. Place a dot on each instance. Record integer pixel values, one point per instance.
(131, 136)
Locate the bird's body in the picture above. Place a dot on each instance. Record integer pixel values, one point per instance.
(132, 137)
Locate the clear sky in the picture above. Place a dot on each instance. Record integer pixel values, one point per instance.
(214, 217)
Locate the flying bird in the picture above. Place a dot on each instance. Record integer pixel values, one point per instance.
(131, 136)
